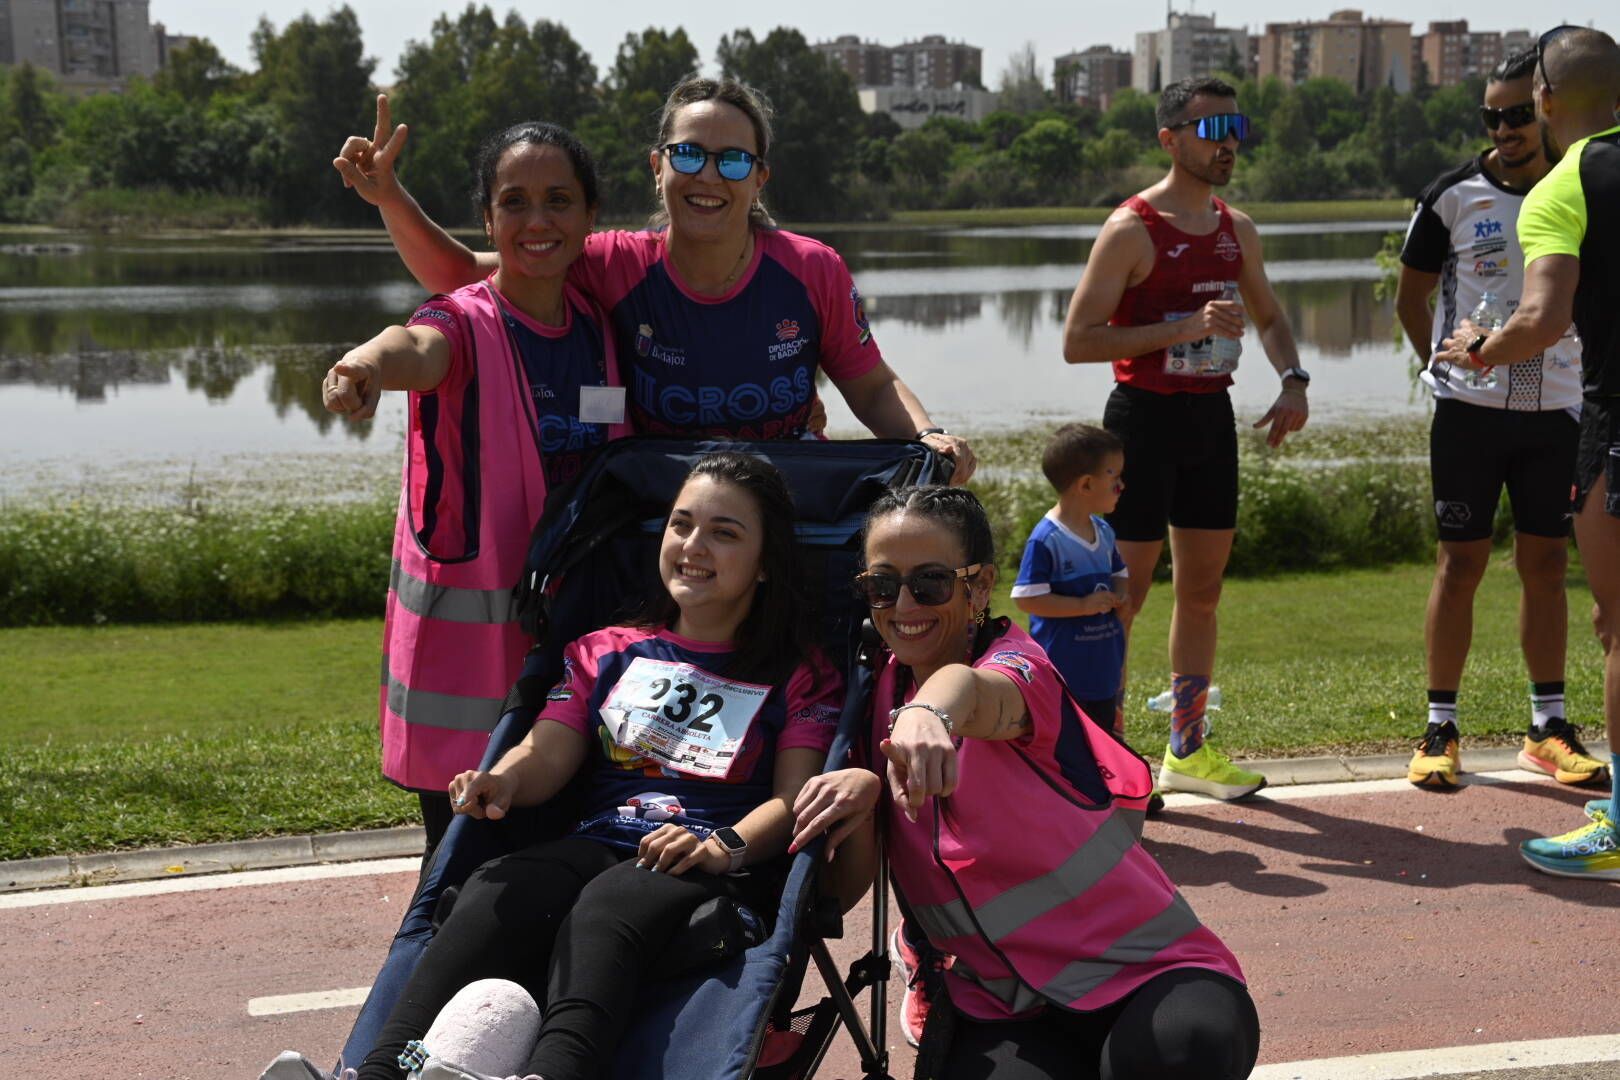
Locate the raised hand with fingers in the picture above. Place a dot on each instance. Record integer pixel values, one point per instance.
(922, 758)
(835, 803)
(367, 165)
(482, 794)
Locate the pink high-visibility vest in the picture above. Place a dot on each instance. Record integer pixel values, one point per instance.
(452, 645)
(1043, 894)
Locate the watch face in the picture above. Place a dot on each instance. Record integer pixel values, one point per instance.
(730, 840)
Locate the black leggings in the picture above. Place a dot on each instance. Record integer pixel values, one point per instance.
(1187, 1024)
(572, 921)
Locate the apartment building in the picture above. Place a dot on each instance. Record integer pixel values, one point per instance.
(85, 43)
(929, 63)
(1363, 53)
(1092, 76)
(1189, 46)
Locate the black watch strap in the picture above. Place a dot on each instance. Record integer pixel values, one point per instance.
(930, 431)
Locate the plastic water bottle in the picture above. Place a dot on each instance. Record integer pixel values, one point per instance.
(1166, 702)
(1489, 315)
(1224, 351)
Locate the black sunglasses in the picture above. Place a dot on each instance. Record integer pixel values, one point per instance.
(1513, 116)
(1541, 51)
(689, 158)
(930, 587)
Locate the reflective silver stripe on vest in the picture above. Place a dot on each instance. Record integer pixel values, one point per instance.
(1138, 946)
(1080, 978)
(452, 711)
(1022, 904)
(452, 605)
(1010, 991)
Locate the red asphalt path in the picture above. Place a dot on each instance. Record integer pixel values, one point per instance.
(1384, 919)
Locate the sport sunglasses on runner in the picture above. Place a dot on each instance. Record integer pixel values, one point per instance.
(1218, 127)
(1513, 116)
(1541, 51)
(689, 158)
(930, 588)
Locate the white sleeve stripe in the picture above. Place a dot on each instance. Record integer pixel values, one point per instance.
(1039, 588)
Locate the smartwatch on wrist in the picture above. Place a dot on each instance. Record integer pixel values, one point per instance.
(1473, 351)
(929, 431)
(1297, 373)
(735, 846)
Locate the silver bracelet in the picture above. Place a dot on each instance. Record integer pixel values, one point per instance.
(944, 717)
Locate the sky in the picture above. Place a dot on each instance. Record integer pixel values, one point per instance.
(999, 29)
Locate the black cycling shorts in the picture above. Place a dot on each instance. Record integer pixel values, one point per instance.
(1475, 451)
(1181, 461)
(1599, 452)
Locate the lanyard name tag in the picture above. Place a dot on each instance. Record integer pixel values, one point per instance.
(681, 716)
(601, 404)
(1196, 358)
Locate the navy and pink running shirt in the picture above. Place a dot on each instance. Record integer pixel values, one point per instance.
(628, 795)
(742, 365)
(557, 360)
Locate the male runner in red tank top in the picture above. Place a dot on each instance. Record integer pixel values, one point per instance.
(1157, 296)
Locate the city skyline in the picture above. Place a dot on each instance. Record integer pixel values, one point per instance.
(387, 25)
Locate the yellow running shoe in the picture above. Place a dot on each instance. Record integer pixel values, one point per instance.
(1435, 762)
(1207, 771)
(1559, 754)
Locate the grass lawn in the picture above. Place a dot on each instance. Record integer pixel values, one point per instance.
(137, 736)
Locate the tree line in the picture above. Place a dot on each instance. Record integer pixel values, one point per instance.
(254, 147)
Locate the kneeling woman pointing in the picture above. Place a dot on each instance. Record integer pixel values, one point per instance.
(1012, 828)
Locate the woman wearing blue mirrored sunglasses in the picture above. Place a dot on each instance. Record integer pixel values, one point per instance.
(722, 321)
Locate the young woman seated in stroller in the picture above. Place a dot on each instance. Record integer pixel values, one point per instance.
(1012, 825)
(695, 727)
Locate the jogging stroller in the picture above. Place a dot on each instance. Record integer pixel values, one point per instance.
(591, 559)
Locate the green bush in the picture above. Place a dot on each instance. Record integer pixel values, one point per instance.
(98, 562)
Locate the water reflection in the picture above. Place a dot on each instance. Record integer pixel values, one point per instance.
(130, 350)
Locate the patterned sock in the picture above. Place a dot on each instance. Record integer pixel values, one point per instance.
(1614, 785)
(1546, 703)
(1442, 707)
(1188, 694)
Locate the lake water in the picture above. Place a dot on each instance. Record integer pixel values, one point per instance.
(169, 358)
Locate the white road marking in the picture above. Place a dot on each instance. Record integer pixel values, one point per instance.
(204, 882)
(320, 999)
(1449, 1061)
(1180, 800)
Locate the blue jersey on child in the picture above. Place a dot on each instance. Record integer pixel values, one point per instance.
(1087, 650)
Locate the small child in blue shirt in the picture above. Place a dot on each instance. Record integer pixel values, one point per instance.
(1072, 579)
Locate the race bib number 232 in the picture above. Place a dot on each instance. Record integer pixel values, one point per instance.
(681, 716)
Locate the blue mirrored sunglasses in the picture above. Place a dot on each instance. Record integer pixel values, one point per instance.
(1218, 127)
(689, 158)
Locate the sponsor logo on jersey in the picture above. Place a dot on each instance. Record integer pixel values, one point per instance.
(434, 313)
(1226, 246)
(1489, 247)
(1175, 252)
(643, 339)
(564, 690)
(1209, 286)
(1016, 662)
(542, 392)
(1487, 227)
(1479, 206)
(787, 330)
(646, 346)
(863, 328)
(1492, 268)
